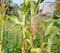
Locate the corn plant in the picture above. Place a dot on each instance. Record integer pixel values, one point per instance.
(3, 7)
(30, 28)
(2, 23)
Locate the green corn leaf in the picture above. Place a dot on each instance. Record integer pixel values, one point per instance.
(25, 6)
(49, 27)
(28, 41)
(50, 43)
(32, 7)
(42, 1)
(37, 6)
(15, 20)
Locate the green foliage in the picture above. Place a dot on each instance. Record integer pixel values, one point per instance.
(12, 38)
(17, 19)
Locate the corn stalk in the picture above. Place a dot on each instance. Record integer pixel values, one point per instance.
(4, 8)
(2, 27)
(24, 28)
(1, 37)
(24, 36)
(32, 15)
(34, 24)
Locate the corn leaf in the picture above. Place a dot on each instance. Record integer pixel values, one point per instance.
(49, 27)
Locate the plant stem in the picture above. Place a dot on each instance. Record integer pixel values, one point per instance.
(2, 16)
(24, 36)
(24, 46)
(1, 36)
(2, 26)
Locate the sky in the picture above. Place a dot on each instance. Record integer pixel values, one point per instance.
(41, 5)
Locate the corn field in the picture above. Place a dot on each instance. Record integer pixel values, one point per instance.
(23, 30)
